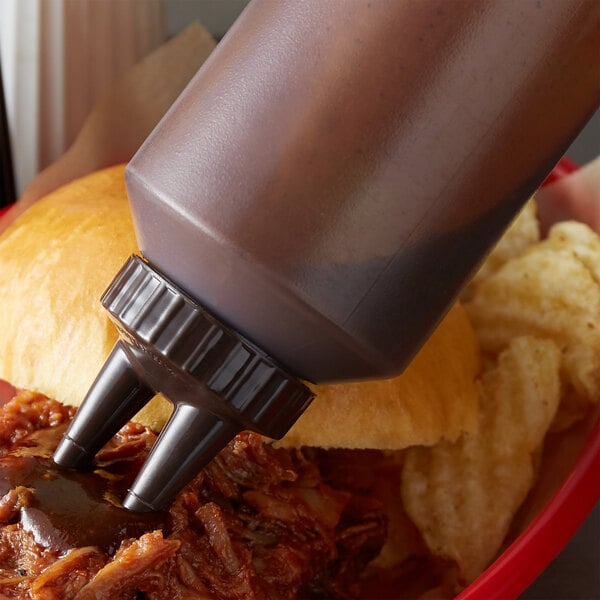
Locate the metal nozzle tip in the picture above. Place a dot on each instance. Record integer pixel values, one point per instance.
(134, 503)
(71, 455)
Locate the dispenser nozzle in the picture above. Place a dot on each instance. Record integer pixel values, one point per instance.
(191, 438)
(220, 384)
(115, 397)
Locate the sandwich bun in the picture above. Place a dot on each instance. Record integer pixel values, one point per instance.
(57, 259)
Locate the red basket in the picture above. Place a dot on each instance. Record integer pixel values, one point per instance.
(543, 538)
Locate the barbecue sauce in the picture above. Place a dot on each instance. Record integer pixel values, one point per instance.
(69, 509)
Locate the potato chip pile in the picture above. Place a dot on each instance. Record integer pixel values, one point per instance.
(535, 306)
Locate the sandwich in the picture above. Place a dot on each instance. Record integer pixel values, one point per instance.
(265, 519)
(359, 499)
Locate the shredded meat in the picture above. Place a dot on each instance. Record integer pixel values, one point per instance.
(257, 523)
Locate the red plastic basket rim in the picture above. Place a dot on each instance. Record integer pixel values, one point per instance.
(533, 550)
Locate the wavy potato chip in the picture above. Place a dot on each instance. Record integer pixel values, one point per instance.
(522, 233)
(551, 291)
(462, 496)
(578, 239)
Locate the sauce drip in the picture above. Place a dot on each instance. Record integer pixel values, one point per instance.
(73, 509)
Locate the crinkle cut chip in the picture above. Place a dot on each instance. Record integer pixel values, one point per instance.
(462, 496)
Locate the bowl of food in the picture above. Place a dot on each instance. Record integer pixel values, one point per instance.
(566, 490)
(479, 459)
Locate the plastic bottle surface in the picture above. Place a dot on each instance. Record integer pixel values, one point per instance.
(336, 170)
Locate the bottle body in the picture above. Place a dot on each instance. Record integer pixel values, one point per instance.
(336, 170)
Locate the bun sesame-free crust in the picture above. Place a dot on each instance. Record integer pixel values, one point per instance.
(57, 259)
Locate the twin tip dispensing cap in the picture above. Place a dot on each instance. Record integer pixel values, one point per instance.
(219, 382)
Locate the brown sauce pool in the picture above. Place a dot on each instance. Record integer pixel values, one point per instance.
(68, 508)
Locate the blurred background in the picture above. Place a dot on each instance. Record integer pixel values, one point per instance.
(57, 57)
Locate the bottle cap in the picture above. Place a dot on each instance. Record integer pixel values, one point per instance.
(219, 382)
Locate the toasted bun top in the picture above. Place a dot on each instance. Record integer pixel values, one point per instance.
(57, 259)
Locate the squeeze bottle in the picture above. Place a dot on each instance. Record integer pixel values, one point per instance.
(314, 201)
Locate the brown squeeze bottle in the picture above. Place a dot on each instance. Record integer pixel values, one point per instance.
(313, 202)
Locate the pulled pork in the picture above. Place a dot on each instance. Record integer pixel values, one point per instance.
(258, 522)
